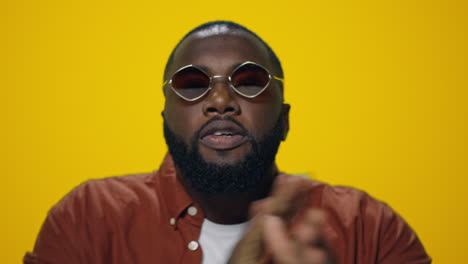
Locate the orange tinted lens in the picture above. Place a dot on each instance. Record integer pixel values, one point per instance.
(250, 79)
(190, 82)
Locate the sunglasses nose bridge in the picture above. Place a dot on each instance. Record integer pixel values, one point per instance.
(214, 78)
(221, 99)
(220, 80)
(222, 91)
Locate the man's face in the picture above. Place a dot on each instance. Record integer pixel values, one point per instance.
(251, 119)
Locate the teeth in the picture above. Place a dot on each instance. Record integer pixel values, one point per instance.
(227, 134)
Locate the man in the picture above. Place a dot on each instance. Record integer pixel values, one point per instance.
(219, 197)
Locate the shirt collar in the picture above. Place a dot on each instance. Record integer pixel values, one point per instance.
(178, 200)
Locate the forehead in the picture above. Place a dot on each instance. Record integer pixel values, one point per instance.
(220, 51)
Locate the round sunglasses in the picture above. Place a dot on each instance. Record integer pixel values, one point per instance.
(248, 79)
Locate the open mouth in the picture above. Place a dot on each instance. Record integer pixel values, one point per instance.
(222, 135)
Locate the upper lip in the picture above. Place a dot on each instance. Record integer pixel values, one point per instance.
(221, 126)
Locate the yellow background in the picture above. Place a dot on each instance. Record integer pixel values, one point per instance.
(378, 92)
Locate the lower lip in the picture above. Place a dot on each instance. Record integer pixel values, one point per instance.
(223, 142)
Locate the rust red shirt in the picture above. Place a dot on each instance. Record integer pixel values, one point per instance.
(149, 218)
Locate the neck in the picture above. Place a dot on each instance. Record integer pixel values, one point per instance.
(230, 208)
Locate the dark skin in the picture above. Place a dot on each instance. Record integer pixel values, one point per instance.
(219, 55)
(271, 206)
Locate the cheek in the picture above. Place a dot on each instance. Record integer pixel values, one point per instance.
(263, 112)
(183, 120)
(260, 118)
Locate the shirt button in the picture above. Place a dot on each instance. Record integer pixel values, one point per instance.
(172, 221)
(193, 245)
(192, 210)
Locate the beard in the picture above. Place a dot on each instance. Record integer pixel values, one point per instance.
(218, 179)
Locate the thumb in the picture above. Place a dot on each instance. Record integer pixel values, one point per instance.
(277, 240)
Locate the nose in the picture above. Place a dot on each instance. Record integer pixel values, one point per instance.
(221, 100)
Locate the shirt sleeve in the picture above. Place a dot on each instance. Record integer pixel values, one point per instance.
(72, 232)
(398, 242)
(55, 243)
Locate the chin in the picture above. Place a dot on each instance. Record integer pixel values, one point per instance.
(225, 157)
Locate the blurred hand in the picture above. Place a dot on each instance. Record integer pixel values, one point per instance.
(304, 244)
(269, 231)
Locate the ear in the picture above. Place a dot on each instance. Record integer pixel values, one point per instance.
(285, 113)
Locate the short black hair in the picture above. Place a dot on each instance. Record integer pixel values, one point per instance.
(275, 61)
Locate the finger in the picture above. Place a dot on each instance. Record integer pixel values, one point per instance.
(286, 251)
(287, 189)
(278, 241)
(288, 184)
(250, 248)
(310, 231)
(290, 193)
(315, 256)
(260, 207)
(310, 238)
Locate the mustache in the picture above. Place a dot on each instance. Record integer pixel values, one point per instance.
(218, 118)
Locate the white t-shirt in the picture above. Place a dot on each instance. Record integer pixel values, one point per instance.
(217, 241)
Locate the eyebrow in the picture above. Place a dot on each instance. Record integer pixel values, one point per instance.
(206, 69)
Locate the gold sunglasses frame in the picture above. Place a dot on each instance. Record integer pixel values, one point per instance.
(270, 77)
